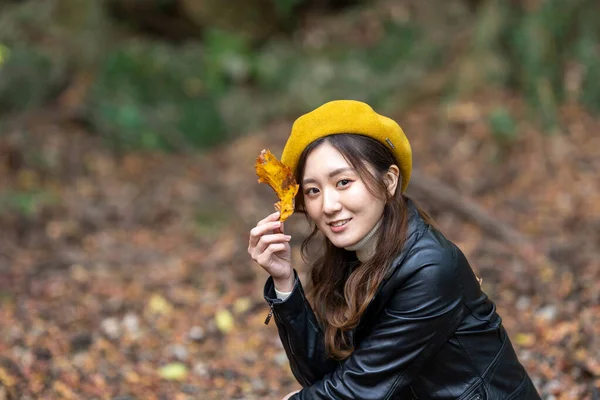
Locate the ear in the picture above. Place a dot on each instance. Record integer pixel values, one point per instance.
(391, 179)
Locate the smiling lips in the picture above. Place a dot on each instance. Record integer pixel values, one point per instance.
(339, 225)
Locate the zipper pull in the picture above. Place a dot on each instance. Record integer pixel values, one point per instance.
(269, 316)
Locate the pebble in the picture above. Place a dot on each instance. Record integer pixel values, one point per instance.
(81, 342)
(178, 351)
(42, 353)
(553, 387)
(523, 303)
(131, 322)
(201, 369)
(111, 327)
(258, 385)
(547, 313)
(281, 358)
(189, 389)
(196, 334)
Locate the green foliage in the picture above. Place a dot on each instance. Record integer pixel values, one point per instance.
(285, 8)
(28, 77)
(590, 85)
(31, 71)
(531, 49)
(398, 44)
(156, 96)
(227, 59)
(587, 52)
(540, 45)
(84, 30)
(502, 125)
(26, 203)
(374, 74)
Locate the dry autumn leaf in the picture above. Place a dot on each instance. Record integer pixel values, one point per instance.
(277, 175)
(224, 321)
(173, 372)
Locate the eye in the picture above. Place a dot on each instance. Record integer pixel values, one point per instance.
(311, 191)
(343, 182)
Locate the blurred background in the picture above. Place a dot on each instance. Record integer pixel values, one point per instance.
(128, 135)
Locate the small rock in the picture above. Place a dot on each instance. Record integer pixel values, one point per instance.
(553, 387)
(258, 385)
(250, 357)
(196, 334)
(111, 327)
(42, 353)
(201, 369)
(80, 359)
(523, 303)
(547, 313)
(189, 389)
(281, 358)
(81, 342)
(230, 374)
(178, 351)
(131, 322)
(525, 355)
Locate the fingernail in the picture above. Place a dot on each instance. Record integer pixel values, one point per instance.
(287, 237)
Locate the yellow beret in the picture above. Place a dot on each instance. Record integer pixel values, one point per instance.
(348, 116)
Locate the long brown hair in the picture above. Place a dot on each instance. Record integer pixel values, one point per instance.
(340, 287)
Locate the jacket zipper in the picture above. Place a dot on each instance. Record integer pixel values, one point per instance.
(268, 319)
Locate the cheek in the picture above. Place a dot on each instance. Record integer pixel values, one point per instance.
(312, 208)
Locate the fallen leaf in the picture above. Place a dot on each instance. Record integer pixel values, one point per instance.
(173, 372)
(525, 339)
(6, 379)
(242, 304)
(159, 305)
(224, 321)
(279, 176)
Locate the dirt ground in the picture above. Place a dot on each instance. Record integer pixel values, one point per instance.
(134, 282)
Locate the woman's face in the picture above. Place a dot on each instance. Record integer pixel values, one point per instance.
(336, 199)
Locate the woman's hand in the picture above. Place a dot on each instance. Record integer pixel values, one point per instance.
(270, 248)
(287, 396)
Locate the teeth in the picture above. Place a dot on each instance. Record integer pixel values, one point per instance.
(340, 223)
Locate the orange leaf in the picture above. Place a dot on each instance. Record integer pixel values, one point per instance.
(279, 176)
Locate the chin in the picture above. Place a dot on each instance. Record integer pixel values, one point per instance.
(341, 243)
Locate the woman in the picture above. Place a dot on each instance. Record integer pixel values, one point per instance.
(394, 310)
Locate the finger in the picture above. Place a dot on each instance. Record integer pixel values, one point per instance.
(266, 258)
(267, 240)
(260, 230)
(280, 229)
(275, 248)
(269, 218)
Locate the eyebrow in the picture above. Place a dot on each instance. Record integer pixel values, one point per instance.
(331, 174)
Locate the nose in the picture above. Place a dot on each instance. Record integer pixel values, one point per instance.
(331, 202)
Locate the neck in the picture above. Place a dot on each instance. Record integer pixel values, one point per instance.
(365, 247)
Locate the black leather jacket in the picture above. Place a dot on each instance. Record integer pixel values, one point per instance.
(429, 333)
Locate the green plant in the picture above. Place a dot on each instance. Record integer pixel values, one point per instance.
(29, 77)
(502, 125)
(156, 96)
(26, 203)
(285, 8)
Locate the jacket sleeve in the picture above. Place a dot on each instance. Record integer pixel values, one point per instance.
(424, 311)
(300, 334)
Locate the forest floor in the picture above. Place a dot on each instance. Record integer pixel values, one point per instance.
(133, 281)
